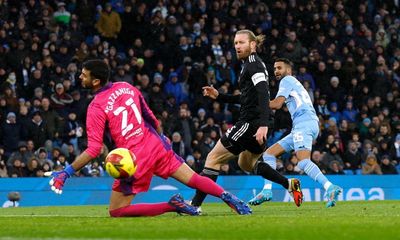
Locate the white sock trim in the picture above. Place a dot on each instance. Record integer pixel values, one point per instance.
(327, 185)
(268, 186)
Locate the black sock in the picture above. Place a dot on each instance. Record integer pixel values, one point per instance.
(200, 196)
(266, 171)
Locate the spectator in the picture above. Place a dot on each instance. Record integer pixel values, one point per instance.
(174, 87)
(210, 126)
(18, 169)
(321, 76)
(191, 162)
(95, 170)
(3, 169)
(22, 153)
(185, 126)
(33, 167)
(60, 100)
(38, 129)
(344, 132)
(156, 98)
(352, 157)
(51, 117)
(386, 166)
(316, 157)
(79, 105)
(332, 155)
(334, 113)
(350, 113)
(62, 15)
(73, 130)
(61, 161)
(226, 170)
(109, 24)
(11, 133)
(71, 153)
(42, 157)
(122, 76)
(322, 108)
(23, 120)
(304, 76)
(335, 92)
(179, 146)
(371, 166)
(201, 116)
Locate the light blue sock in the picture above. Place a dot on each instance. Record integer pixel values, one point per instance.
(314, 172)
(270, 160)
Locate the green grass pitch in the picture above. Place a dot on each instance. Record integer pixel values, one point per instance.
(349, 220)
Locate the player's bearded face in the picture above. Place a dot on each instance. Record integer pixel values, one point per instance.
(242, 46)
(86, 79)
(280, 70)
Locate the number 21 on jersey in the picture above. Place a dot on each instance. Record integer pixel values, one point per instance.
(123, 111)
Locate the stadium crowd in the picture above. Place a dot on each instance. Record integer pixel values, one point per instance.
(346, 54)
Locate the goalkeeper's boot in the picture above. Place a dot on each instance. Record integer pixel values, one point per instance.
(236, 204)
(264, 196)
(181, 206)
(295, 191)
(332, 195)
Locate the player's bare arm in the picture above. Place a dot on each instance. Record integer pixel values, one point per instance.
(277, 103)
(81, 161)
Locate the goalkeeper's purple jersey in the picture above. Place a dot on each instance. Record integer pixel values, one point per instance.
(121, 109)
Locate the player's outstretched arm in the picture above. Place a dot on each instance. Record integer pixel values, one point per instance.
(211, 92)
(58, 179)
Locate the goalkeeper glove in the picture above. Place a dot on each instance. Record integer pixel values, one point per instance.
(58, 178)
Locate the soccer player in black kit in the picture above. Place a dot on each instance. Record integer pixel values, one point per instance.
(248, 136)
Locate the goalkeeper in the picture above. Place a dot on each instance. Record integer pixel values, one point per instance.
(122, 108)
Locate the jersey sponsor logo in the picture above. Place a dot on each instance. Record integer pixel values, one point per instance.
(113, 96)
(137, 132)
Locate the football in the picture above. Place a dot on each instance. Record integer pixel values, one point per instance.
(120, 163)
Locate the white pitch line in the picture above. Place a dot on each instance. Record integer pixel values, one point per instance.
(68, 238)
(50, 215)
(56, 238)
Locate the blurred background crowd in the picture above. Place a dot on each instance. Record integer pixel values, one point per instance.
(346, 54)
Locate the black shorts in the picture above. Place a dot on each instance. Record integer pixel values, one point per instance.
(240, 137)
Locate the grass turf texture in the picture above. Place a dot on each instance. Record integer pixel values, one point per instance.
(349, 220)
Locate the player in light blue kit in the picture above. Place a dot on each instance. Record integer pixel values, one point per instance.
(305, 130)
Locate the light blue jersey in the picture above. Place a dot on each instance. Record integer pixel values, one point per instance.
(305, 121)
(297, 100)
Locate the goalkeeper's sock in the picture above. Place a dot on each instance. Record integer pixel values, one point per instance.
(142, 209)
(270, 160)
(206, 185)
(200, 195)
(267, 172)
(314, 172)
